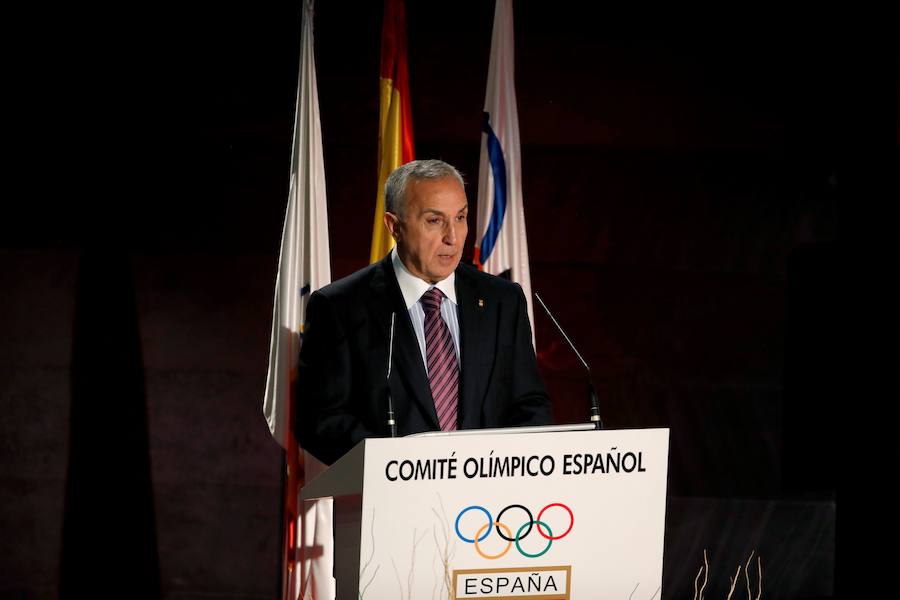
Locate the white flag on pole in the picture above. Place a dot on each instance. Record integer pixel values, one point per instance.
(303, 267)
(501, 246)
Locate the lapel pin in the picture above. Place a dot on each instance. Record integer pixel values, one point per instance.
(480, 303)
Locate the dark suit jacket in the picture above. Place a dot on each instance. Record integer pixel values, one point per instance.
(341, 385)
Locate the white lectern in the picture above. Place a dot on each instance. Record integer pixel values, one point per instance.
(536, 512)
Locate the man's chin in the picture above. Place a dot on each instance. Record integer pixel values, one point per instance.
(443, 271)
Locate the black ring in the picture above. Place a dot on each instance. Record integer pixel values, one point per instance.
(530, 522)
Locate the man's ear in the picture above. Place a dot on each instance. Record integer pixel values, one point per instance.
(392, 222)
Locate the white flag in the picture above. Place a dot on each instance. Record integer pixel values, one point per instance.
(501, 246)
(303, 267)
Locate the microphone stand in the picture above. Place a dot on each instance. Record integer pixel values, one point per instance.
(592, 392)
(392, 424)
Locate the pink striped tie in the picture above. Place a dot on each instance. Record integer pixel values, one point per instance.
(443, 370)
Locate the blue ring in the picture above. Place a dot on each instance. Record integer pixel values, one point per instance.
(542, 552)
(486, 533)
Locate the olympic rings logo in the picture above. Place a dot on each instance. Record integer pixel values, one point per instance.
(506, 533)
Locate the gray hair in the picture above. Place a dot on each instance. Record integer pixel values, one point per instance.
(395, 186)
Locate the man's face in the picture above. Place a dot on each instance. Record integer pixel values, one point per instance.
(431, 235)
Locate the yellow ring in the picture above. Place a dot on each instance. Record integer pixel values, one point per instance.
(480, 531)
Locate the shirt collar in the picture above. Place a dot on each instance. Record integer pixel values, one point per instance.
(412, 287)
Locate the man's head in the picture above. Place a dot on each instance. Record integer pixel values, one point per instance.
(425, 211)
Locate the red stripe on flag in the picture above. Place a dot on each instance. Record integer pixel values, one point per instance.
(394, 67)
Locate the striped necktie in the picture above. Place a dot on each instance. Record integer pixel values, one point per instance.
(443, 370)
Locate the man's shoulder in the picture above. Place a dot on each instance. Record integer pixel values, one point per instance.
(487, 283)
(351, 285)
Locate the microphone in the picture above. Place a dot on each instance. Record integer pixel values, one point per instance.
(392, 425)
(592, 393)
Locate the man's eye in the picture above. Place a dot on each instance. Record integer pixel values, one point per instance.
(461, 218)
(434, 221)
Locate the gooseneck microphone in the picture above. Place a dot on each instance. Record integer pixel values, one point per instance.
(392, 424)
(592, 392)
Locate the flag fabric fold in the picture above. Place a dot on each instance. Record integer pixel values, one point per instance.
(395, 134)
(501, 245)
(303, 267)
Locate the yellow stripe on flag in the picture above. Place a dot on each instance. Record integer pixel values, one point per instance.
(389, 158)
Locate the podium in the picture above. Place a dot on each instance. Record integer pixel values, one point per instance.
(532, 512)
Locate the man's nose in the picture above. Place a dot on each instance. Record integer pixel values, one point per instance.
(450, 234)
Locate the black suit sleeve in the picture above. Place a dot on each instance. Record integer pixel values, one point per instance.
(326, 424)
(529, 403)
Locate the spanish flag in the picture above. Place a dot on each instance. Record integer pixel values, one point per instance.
(395, 134)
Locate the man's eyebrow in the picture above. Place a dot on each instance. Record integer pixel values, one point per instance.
(435, 211)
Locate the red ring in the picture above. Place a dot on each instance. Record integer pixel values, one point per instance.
(557, 537)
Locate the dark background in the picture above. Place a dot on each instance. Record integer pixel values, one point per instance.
(711, 207)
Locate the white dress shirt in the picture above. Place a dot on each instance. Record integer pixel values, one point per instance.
(412, 289)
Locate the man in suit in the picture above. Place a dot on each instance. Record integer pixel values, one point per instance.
(462, 350)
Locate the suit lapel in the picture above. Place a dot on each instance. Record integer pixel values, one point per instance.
(472, 337)
(407, 358)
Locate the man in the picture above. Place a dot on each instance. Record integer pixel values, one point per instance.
(462, 354)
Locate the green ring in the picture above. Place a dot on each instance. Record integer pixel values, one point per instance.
(542, 552)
